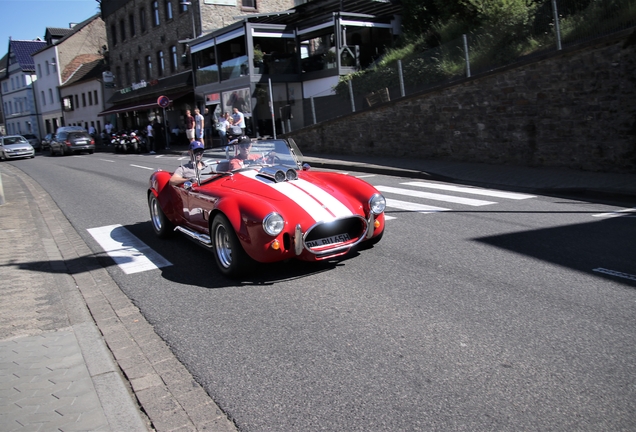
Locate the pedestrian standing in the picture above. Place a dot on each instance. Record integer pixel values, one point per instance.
(209, 122)
(239, 119)
(151, 138)
(189, 125)
(199, 124)
(222, 125)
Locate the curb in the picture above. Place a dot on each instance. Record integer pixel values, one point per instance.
(141, 364)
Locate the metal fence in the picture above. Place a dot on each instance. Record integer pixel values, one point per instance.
(556, 24)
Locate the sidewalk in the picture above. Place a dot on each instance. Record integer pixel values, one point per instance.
(75, 353)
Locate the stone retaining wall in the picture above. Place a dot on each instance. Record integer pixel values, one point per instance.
(575, 109)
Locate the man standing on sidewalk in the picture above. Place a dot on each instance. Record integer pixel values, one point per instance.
(151, 138)
(189, 124)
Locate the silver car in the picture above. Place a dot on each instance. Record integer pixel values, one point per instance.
(15, 146)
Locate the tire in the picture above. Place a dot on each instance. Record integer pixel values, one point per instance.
(229, 255)
(160, 223)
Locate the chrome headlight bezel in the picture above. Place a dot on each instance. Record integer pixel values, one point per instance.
(377, 204)
(273, 224)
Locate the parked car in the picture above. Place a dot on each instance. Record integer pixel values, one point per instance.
(34, 141)
(71, 139)
(14, 147)
(46, 141)
(272, 209)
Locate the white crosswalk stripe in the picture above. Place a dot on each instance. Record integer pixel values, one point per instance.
(414, 207)
(418, 194)
(433, 196)
(470, 190)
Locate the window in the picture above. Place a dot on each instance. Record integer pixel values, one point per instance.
(46, 65)
(232, 56)
(113, 34)
(142, 19)
(90, 98)
(118, 76)
(173, 58)
(148, 68)
(131, 24)
(160, 63)
(155, 13)
(183, 7)
(83, 99)
(76, 101)
(67, 103)
(168, 9)
(128, 75)
(51, 96)
(122, 30)
(53, 64)
(251, 4)
(39, 70)
(137, 70)
(95, 97)
(43, 98)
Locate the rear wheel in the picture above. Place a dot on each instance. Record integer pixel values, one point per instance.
(228, 252)
(160, 223)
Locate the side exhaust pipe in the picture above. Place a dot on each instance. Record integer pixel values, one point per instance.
(201, 238)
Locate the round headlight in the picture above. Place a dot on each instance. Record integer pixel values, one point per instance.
(291, 174)
(273, 224)
(377, 204)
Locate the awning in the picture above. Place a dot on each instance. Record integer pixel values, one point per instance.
(146, 104)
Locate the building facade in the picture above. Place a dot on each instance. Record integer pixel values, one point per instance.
(17, 87)
(268, 65)
(65, 52)
(149, 53)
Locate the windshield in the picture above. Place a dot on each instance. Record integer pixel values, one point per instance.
(261, 153)
(14, 140)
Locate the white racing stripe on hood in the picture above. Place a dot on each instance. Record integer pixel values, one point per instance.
(319, 204)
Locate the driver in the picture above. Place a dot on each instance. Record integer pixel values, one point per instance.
(187, 172)
(244, 148)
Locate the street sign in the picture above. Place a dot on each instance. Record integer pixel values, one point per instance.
(163, 101)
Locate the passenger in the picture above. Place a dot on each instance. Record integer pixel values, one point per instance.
(244, 148)
(187, 172)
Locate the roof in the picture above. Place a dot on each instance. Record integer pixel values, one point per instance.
(86, 72)
(312, 9)
(77, 66)
(23, 50)
(61, 34)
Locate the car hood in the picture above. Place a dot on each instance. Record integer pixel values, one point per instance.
(18, 146)
(318, 199)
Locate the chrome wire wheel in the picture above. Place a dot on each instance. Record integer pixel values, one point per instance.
(223, 246)
(160, 223)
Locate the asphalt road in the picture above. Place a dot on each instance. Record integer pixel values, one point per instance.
(519, 314)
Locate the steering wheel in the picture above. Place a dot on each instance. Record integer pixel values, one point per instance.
(272, 158)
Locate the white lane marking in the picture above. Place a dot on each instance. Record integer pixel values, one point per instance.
(387, 217)
(129, 253)
(107, 160)
(139, 166)
(366, 176)
(617, 213)
(414, 207)
(434, 196)
(470, 190)
(615, 273)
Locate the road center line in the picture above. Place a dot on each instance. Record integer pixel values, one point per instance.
(139, 166)
(617, 213)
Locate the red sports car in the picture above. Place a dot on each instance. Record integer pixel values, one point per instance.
(269, 209)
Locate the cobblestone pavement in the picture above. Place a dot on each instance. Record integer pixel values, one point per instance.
(75, 353)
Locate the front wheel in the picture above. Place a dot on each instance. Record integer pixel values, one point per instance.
(228, 252)
(160, 222)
